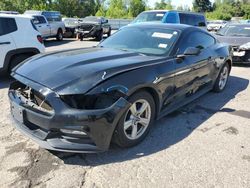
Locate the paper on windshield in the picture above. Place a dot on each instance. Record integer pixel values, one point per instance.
(159, 15)
(163, 45)
(162, 35)
(247, 28)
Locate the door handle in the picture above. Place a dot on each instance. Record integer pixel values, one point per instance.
(39, 26)
(4, 43)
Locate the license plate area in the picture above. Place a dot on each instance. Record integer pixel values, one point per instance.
(17, 112)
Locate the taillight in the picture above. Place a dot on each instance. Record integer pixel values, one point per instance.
(40, 39)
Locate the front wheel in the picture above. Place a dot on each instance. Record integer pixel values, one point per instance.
(136, 121)
(100, 36)
(59, 35)
(222, 79)
(109, 33)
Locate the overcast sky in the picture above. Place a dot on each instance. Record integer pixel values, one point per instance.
(176, 3)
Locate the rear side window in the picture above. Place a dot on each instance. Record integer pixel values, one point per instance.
(39, 20)
(198, 40)
(52, 16)
(7, 25)
(192, 19)
(171, 17)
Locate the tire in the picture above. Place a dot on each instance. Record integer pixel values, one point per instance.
(17, 60)
(59, 35)
(100, 36)
(222, 79)
(124, 137)
(109, 33)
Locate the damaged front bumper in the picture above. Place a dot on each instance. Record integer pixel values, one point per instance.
(241, 56)
(63, 128)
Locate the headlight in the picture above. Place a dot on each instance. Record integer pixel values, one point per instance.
(90, 102)
(245, 46)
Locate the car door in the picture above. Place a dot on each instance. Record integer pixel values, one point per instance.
(194, 73)
(42, 25)
(7, 26)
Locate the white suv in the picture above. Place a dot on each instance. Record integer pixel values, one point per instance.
(19, 40)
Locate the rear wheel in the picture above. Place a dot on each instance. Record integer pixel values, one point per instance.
(135, 123)
(59, 35)
(222, 79)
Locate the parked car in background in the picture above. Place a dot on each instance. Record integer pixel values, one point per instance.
(172, 16)
(238, 36)
(79, 100)
(215, 25)
(9, 12)
(19, 40)
(93, 26)
(71, 24)
(48, 23)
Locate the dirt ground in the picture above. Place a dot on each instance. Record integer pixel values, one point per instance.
(204, 144)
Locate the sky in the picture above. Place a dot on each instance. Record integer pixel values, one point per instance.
(176, 3)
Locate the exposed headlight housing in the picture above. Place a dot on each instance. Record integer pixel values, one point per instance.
(90, 102)
(245, 46)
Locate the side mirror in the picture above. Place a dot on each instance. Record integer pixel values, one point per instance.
(105, 21)
(190, 51)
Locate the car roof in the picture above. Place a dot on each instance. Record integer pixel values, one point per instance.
(162, 25)
(179, 11)
(15, 16)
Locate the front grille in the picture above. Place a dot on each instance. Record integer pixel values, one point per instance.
(86, 27)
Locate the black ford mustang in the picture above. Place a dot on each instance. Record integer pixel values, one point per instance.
(79, 100)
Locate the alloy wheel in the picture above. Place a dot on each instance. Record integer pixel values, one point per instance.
(137, 119)
(223, 78)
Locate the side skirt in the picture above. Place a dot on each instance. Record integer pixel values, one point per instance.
(174, 107)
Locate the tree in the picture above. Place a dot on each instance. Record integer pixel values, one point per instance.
(202, 6)
(101, 11)
(136, 7)
(117, 9)
(75, 8)
(163, 4)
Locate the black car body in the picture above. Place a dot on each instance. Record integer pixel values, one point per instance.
(92, 26)
(73, 100)
(237, 36)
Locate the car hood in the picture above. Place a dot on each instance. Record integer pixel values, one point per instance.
(78, 71)
(89, 23)
(233, 40)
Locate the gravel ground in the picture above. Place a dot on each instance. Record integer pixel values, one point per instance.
(204, 144)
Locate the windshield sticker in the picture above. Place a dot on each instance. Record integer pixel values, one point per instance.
(162, 35)
(175, 33)
(247, 28)
(163, 45)
(159, 15)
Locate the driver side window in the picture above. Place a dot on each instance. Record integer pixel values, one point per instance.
(198, 40)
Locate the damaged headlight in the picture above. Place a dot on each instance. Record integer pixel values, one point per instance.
(90, 102)
(245, 46)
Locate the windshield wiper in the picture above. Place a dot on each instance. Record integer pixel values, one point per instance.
(219, 34)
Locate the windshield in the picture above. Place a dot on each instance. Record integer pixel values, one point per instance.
(148, 41)
(235, 30)
(149, 17)
(92, 19)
